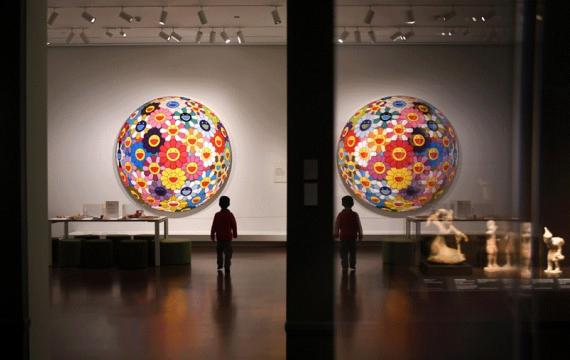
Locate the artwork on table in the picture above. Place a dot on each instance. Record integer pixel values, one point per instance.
(398, 153)
(439, 251)
(554, 256)
(173, 154)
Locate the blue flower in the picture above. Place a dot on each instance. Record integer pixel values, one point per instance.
(136, 159)
(435, 154)
(374, 199)
(172, 104)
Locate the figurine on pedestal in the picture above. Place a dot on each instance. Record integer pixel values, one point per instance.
(491, 246)
(439, 251)
(508, 246)
(526, 249)
(554, 256)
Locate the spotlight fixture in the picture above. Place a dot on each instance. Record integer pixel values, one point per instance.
(409, 34)
(84, 37)
(372, 36)
(51, 19)
(90, 18)
(276, 17)
(488, 16)
(445, 32)
(70, 36)
(109, 33)
(240, 38)
(410, 18)
(162, 19)
(357, 36)
(128, 18)
(175, 36)
(445, 17)
(163, 35)
(123, 33)
(202, 17)
(369, 16)
(212, 36)
(199, 36)
(225, 37)
(397, 36)
(343, 36)
(474, 19)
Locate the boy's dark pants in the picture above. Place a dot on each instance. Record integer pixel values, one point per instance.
(224, 249)
(348, 253)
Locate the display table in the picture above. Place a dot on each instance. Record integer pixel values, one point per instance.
(417, 222)
(157, 221)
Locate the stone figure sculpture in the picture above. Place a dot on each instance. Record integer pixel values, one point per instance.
(491, 246)
(526, 249)
(439, 251)
(554, 256)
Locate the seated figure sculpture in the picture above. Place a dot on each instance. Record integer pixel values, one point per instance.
(439, 251)
(554, 255)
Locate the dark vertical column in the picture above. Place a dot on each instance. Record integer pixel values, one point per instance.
(554, 157)
(310, 152)
(526, 107)
(13, 302)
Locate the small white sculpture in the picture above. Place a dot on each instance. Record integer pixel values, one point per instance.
(439, 251)
(526, 249)
(508, 245)
(554, 256)
(491, 246)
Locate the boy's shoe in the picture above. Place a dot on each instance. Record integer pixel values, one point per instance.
(352, 268)
(220, 268)
(227, 270)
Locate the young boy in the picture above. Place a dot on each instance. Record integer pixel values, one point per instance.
(224, 230)
(348, 228)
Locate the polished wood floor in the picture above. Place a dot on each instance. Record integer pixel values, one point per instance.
(183, 312)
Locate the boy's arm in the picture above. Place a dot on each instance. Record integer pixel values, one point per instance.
(234, 226)
(336, 227)
(213, 229)
(360, 234)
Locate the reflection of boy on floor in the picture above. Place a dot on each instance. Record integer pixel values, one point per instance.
(224, 230)
(348, 228)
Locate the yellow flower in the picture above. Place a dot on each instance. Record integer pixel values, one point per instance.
(399, 178)
(398, 204)
(377, 140)
(194, 140)
(173, 178)
(173, 204)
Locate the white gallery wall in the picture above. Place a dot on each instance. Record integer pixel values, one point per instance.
(472, 85)
(92, 90)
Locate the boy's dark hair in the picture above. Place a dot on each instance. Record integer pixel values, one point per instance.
(347, 201)
(224, 202)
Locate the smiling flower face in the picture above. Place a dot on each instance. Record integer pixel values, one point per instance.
(173, 154)
(397, 153)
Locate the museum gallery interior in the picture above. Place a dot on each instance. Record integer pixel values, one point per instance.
(232, 179)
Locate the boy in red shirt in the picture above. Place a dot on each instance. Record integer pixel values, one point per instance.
(348, 228)
(224, 230)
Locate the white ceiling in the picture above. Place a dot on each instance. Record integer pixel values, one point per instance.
(254, 18)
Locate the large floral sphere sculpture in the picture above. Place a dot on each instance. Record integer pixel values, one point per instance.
(398, 153)
(173, 154)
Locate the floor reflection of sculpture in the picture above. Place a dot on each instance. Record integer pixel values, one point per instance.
(439, 251)
(554, 255)
(526, 249)
(491, 246)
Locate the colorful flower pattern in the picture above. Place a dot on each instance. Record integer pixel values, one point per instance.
(398, 153)
(173, 154)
